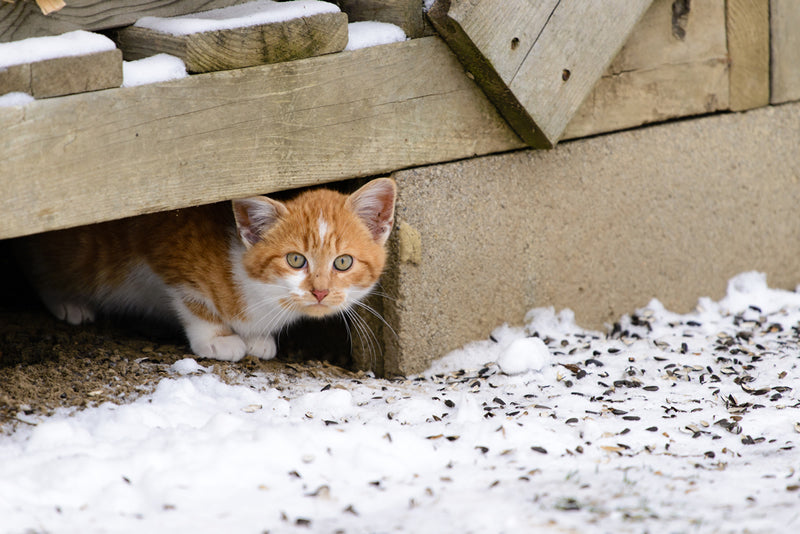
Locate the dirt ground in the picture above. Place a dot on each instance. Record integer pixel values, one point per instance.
(46, 364)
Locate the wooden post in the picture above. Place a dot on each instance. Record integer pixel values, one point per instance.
(785, 48)
(404, 13)
(748, 47)
(536, 61)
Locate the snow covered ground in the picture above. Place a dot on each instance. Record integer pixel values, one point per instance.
(665, 423)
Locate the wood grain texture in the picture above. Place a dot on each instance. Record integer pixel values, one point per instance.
(576, 46)
(748, 47)
(669, 67)
(21, 20)
(297, 38)
(785, 50)
(15, 79)
(536, 61)
(121, 152)
(64, 75)
(503, 33)
(404, 13)
(492, 57)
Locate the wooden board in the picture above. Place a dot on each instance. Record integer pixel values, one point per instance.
(785, 48)
(404, 13)
(64, 75)
(298, 38)
(536, 61)
(748, 47)
(674, 64)
(24, 19)
(111, 154)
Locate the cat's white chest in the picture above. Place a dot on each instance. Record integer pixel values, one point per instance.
(265, 311)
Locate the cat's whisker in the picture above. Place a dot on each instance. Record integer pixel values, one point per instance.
(369, 342)
(264, 313)
(256, 307)
(273, 322)
(374, 312)
(380, 291)
(351, 332)
(372, 338)
(343, 316)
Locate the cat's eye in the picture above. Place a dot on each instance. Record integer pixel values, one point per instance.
(296, 260)
(343, 262)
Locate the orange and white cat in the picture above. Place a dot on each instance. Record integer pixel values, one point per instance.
(231, 277)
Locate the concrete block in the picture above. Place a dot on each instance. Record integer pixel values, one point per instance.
(598, 225)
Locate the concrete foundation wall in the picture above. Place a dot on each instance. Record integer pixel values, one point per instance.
(598, 225)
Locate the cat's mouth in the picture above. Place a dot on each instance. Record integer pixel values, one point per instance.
(319, 309)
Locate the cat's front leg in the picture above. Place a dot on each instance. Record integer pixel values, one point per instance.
(73, 312)
(207, 337)
(263, 347)
(229, 348)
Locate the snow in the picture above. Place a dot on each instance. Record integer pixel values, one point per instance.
(76, 43)
(237, 16)
(523, 355)
(367, 33)
(666, 423)
(15, 99)
(164, 67)
(153, 69)
(188, 366)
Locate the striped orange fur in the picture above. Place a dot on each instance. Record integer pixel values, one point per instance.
(232, 274)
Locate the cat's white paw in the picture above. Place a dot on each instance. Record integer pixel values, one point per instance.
(71, 312)
(262, 347)
(227, 348)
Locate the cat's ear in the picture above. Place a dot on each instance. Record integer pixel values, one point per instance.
(373, 203)
(254, 216)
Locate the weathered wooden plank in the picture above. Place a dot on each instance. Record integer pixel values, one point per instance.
(493, 57)
(404, 13)
(785, 48)
(121, 152)
(748, 46)
(579, 41)
(674, 64)
(16, 78)
(64, 75)
(22, 19)
(536, 61)
(76, 74)
(297, 38)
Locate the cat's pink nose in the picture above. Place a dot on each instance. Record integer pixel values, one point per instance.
(320, 294)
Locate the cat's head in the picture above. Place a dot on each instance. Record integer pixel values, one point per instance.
(317, 254)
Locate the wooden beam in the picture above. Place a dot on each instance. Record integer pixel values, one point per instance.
(748, 46)
(785, 48)
(293, 39)
(64, 75)
(110, 154)
(404, 13)
(536, 61)
(674, 64)
(24, 19)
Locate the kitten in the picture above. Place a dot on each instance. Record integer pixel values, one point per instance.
(231, 277)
